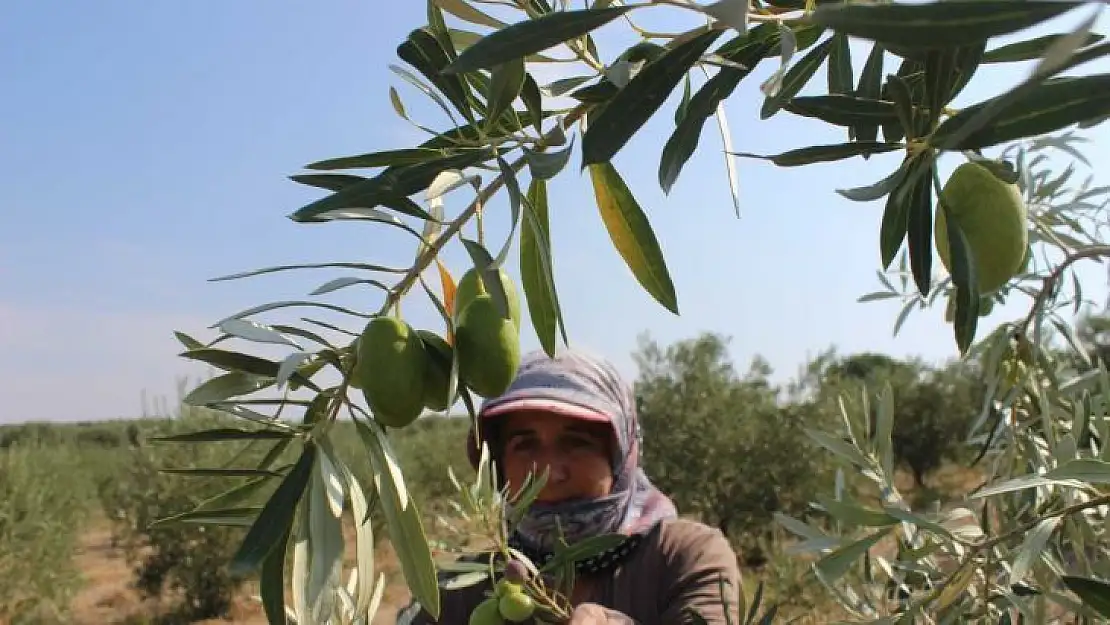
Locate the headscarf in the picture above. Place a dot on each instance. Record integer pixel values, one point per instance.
(579, 385)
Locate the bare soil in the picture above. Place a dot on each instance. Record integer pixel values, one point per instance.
(107, 596)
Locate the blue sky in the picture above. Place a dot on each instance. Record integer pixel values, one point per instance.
(146, 147)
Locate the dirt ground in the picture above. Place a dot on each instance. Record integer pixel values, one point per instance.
(107, 597)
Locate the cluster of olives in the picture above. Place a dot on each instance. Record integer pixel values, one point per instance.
(403, 371)
(509, 602)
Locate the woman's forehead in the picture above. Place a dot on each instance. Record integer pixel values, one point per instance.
(537, 421)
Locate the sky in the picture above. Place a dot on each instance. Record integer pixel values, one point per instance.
(145, 148)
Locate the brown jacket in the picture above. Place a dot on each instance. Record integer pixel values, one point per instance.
(678, 566)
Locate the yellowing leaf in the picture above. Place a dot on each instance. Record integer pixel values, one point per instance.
(956, 587)
(632, 234)
(448, 296)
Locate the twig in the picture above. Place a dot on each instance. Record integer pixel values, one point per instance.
(1022, 529)
(431, 250)
(1053, 279)
(771, 14)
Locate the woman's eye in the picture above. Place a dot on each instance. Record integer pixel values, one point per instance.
(522, 444)
(579, 442)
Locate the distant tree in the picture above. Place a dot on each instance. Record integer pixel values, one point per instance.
(719, 442)
(1093, 331)
(933, 406)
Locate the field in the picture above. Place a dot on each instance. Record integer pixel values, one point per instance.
(80, 495)
(85, 489)
(107, 596)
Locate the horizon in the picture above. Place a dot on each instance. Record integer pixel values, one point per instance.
(149, 152)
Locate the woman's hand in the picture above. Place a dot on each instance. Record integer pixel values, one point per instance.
(594, 614)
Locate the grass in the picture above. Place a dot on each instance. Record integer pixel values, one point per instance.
(43, 502)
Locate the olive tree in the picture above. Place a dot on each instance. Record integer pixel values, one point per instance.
(1030, 542)
(934, 409)
(503, 132)
(715, 438)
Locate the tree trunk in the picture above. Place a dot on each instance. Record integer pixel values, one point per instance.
(918, 477)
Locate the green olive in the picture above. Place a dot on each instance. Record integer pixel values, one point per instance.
(487, 613)
(506, 586)
(516, 606)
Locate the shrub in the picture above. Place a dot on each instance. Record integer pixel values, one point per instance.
(184, 561)
(40, 511)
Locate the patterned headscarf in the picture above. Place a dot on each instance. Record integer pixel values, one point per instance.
(577, 385)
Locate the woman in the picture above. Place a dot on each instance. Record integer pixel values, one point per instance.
(576, 416)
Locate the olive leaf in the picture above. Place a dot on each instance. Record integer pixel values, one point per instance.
(536, 270)
(532, 36)
(937, 25)
(276, 517)
(1094, 593)
(683, 141)
(637, 101)
(632, 234)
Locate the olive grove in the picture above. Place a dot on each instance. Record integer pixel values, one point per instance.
(1005, 224)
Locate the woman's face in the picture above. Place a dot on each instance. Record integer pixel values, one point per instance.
(576, 452)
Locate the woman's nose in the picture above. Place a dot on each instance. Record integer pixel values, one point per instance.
(558, 471)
